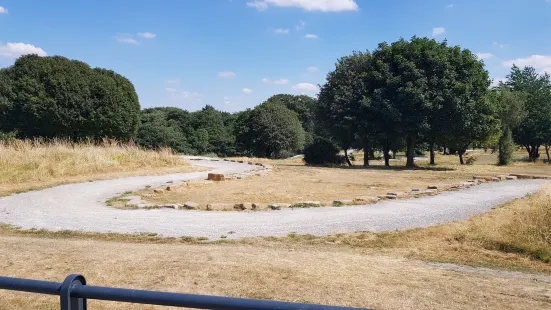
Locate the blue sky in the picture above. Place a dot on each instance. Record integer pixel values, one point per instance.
(233, 54)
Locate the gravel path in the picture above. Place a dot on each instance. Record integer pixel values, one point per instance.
(81, 207)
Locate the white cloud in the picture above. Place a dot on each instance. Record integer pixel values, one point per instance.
(281, 31)
(438, 31)
(171, 90)
(484, 56)
(3, 10)
(126, 38)
(14, 50)
(147, 35)
(226, 74)
(247, 90)
(450, 6)
(305, 87)
(227, 100)
(300, 25)
(307, 5)
(311, 36)
(312, 69)
(542, 62)
(278, 82)
(500, 45)
(172, 81)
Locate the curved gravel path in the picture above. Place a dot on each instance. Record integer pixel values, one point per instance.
(81, 207)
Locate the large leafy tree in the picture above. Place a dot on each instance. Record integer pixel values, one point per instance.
(340, 102)
(271, 130)
(305, 107)
(58, 97)
(166, 127)
(533, 130)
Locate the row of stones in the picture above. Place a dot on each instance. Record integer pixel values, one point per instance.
(138, 201)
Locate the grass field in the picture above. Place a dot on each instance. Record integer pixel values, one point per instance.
(29, 165)
(291, 181)
(382, 271)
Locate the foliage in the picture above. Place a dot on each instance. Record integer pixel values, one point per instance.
(506, 147)
(322, 152)
(57, 97)
(270, 129)
(533, 130)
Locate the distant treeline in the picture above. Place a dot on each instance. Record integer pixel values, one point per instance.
(414, 95)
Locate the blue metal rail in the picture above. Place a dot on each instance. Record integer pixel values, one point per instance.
(74, 293)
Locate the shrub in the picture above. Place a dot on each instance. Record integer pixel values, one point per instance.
(506, 148)
(322, 152)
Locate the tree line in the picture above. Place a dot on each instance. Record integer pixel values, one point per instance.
(414, 95)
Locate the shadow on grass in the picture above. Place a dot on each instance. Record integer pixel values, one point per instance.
(384, 168)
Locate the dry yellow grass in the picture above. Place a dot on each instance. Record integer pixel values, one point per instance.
(316, 275)
(516, 235)
(27, 165)
(291, 182)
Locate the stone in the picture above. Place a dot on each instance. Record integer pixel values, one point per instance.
(501, 177)
(220, 206)
(432, 187)
(431, 191)
(215, 177)
(278, 206)
(342, 202)
(366, 199)
(256, 206)
(259, 164)
(415, 190)
(306, 204)
(158, 190)
(522, 176)
(391, 196)
(511, 177)
(168, 188)
(171, 206)
(243, 206)
(240, 161)
(495, 179)
(190, 205)
(250, 163)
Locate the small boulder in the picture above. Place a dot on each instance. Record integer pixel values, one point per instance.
(190, 205)
(243, 206)
(391, 196)
(431, 191)
(342, 202)
(256, 206)
(171, 206)
(168, 188)
(366, 199)
(511, 177)
(278, 206)
(432, 187)
(159, 190)
(306, 204)
(215, 177)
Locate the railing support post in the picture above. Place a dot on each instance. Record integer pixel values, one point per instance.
(66, 301)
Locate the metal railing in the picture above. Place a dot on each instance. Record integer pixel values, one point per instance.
(74, 292)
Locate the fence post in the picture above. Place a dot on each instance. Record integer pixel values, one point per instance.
(66, 301)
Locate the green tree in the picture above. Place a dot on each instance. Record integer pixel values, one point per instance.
(510, 110)
(305, 107)
(534, 129)
(57, 97)
(166, 127)
(341, 103)
(270, 130)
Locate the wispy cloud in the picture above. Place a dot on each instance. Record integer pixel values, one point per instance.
(307, 5)
(306, 87)
(312, 69)
(126, 38)
(278, 82)
(247, 90)
(281, 31)
(226, 74)
(484, 56)
(438, 31)
(3, 10)
(147, 35)
(311, 36)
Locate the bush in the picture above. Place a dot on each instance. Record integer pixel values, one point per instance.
(322, 152)
(506, 148)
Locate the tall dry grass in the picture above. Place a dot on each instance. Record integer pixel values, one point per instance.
(28, 164)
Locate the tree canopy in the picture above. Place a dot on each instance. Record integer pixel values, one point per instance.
(57, 97)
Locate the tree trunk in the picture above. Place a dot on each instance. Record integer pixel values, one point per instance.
(385, 153)
(366, 152)
(444, 150)
(432, 153)
(394, 154)
(410, 151)
(346, 157)
(547, 146)
(461, 161)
